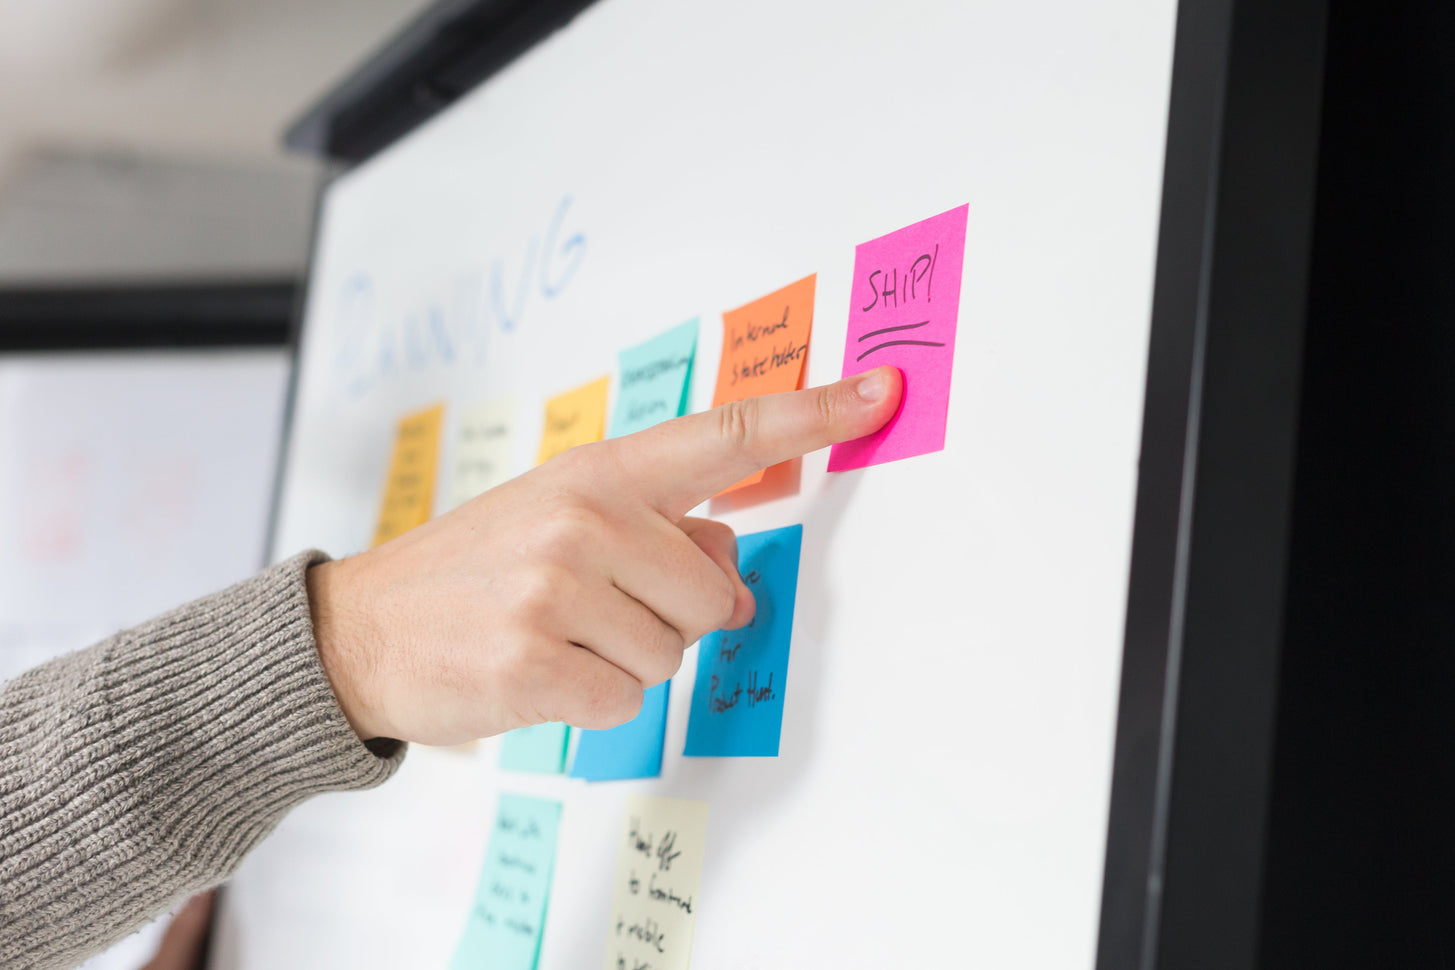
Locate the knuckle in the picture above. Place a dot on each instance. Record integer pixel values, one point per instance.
(578, 461)
(540, 590)
(826, 403)
(566, 531)
(667, 657)
(739, 423)
(612, 701)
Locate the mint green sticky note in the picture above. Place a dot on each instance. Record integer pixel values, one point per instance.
(656, 378)
(540, 748)
(505, 924)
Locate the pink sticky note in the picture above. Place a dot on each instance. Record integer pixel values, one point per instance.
(902, 311)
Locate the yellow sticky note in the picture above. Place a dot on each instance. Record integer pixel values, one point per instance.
(658, 874)
(409, 489)
(575, 418)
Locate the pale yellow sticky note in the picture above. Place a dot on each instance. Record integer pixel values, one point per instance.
(575, 418)
(484, 447)
(658, 873)
(409, 489)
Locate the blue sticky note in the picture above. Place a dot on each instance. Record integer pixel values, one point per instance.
(540, 748)
(505, 924)
(655, 379)
(632, 750)
(742, 675)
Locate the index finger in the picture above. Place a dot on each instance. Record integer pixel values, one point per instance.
(688, 460)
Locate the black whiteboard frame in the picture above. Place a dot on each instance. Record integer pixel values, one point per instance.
(1195, 724)
(147, 315)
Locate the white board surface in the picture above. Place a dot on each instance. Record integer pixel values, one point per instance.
(130, 483)
(941, 794)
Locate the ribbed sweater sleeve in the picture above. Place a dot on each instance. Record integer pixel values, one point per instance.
(143, 769)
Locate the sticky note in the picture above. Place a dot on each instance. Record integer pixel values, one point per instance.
(903, 309)
(742, 675)
(540, 748)
(409, 489)
(764, 347)
(505, 924)
(655, 379)
(630, 750)
(658, 874)
(484, 449)
(575, 418)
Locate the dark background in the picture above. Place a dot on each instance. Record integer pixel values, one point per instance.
(1360, 865)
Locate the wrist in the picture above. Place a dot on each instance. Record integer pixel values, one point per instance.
(341, 643)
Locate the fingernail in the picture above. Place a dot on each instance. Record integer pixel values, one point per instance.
(872, 386)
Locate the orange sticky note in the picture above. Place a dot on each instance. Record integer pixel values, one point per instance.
(409, 489)
(764, 346)
(575, 418)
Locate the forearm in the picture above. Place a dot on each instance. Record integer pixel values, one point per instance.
(144, 768)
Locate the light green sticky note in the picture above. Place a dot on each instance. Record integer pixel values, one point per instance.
(505, 924)
(656, 379)
(540, 748)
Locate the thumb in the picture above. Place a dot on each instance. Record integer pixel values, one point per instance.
(695, 457)
(721, 546)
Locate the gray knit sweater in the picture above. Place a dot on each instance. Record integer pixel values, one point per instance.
(143, 769)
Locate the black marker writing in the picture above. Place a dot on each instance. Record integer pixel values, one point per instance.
(665, 855)
(890, 290)
(666, 894)
(635, 840)
(652, 370)
(649, 933)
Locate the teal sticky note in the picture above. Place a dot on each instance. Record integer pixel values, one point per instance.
(742, 675)
(655, 380)
(540, 748)
(631, 750)
(505, 924)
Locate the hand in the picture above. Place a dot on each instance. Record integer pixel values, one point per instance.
(564, 593)
(184, 944)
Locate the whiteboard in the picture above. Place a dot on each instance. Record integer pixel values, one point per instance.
(130, 483)
(941, 794)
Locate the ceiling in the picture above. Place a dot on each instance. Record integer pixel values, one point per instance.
(209, 78)
(120, 117)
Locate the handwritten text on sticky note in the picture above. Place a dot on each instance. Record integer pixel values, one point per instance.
(658, 875)
(903, 311)
(764, 347)
(655, 379)
(484, 447)
(742, 675)
(505, 924)
(577, 417)
(409, 489)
